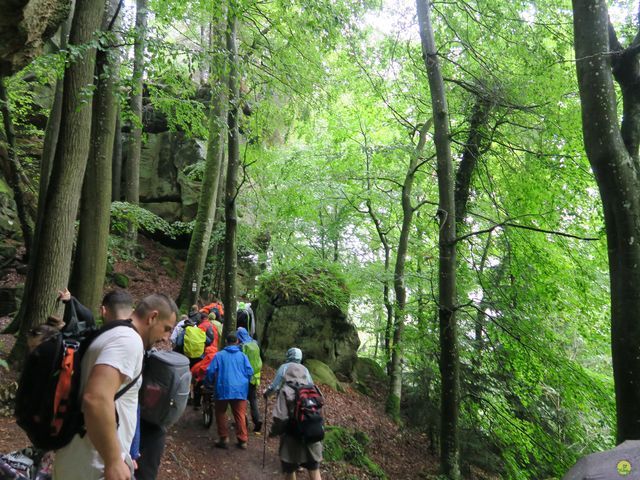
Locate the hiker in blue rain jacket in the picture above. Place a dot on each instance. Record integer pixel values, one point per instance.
(230, 372)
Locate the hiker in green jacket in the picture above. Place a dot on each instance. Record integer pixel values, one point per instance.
(251, 349)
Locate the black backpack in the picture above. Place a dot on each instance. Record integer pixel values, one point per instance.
(307, 422)
(165, 387)
(48, 403)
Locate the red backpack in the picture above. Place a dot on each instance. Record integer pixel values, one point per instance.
(307, 422)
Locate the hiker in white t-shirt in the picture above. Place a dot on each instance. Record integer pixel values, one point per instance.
(111, 363)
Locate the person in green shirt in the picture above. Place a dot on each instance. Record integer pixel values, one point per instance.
(251, 349)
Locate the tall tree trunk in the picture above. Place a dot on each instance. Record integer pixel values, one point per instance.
(53, 128)
(13, 167)
(399, 287)
(613, 155)
(116, 162)
(231, 190)
(199, 246)
(449, 359)
(46, 161)
(55, 242)
(132, 166)
(90, 265)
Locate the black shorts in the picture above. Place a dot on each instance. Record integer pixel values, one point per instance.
(292, 467)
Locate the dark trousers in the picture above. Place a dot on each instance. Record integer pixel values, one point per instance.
(253, 403)
(152, 440)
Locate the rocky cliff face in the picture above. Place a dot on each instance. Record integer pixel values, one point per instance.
(25, 26)
(164, 188)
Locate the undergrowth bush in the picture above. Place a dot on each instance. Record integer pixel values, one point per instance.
(123, 214)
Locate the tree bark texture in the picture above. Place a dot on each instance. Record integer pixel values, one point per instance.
(132, 165)
(55, 243)
(231, 190)
(449, 359)
(90, 265)
(116, 162)
(13, 167)
(395, 369)
(613, 155)
(200, 239)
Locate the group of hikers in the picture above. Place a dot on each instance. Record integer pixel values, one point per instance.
(116, 438)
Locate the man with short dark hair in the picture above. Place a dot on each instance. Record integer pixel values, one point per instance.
(116, 305)
(112, 363)
(230, 371)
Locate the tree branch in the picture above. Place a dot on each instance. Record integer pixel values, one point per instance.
(525, 227)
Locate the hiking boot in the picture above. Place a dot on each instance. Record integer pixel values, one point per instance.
(241, 445)
(257, 427)
(222, 443)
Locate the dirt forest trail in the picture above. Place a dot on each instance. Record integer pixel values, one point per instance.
(190, 454)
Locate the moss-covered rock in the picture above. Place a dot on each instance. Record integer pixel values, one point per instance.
(169, 267)
(306, 307)
(322, 374)
(121, 280)
(350, 446)
(369, 376)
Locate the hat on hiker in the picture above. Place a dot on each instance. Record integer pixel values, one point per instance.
(294, 355)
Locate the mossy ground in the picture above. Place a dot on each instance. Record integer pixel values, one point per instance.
(341, 444)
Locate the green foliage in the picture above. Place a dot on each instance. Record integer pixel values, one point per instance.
(321, 284)
(341, 444)
(123, 214)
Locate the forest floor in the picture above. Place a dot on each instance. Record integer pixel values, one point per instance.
(401, 452)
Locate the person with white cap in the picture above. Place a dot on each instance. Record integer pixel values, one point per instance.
(294, 356)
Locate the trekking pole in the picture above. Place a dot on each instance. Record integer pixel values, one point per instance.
(265, 433)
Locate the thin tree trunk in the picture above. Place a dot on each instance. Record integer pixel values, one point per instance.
(470, 155)
(13, 166)
(386, 300)
(55, 242)
(200, 239)
(116, 163)
(132, 166)
(231, 219)
(449, 357)
(90, 266)
(399, 287)
(382, 235)
(613, 156)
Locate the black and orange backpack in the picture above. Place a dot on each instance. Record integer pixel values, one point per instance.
(48, 403)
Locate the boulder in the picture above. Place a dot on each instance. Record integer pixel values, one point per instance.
(322, 374)
(9, 224)
(369, 376)
(321, 333)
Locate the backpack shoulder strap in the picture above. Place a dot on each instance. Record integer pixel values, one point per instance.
(128, 387)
